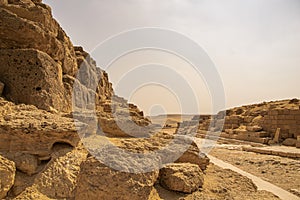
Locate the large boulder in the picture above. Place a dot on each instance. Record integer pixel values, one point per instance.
(32, 77)
(97, 181)
(7, 176)
(181, 177)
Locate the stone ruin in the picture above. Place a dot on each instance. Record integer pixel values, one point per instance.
(257, 123)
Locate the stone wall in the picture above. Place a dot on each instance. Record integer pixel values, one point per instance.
(258, 123)
(288, 120)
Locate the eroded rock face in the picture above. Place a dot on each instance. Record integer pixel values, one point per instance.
(36, 29)
(7, 176)
(32, 77)
(97, 181)
(181, 177)
(21, 125)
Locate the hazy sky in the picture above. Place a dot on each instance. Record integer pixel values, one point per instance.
(255, 44)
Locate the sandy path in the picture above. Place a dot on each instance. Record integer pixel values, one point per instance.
(261, 184)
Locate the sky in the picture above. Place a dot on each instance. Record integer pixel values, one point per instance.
(254, 45)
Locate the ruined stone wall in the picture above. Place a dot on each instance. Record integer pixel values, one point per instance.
(288, 120)
(259, 122)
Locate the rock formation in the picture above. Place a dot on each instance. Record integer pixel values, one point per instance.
(53, 100)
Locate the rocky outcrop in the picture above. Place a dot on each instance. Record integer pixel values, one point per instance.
(183, 177)
(21, 125)
(40, 66)
(7, 176)
(36, 29)
(59, 180)
(32, 77)
(53, 96)
(97, 181)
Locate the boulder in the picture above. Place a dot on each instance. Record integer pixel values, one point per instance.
(7, 176)
(97, 181)
(181, 177)
(290, 142)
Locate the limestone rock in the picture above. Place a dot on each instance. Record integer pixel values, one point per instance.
(38, 30)
(32, 193)
(169, 149)
(97, 181)
(60, 178)
(290, 142)
(32, 77)
(7, 176)
(195, 156)
(26, 163)
(181, 177)
(21, 125)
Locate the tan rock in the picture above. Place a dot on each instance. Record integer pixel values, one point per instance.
(21, 125)
(97, 181)
(32, 193)
(181, 177)
(32, 77)
(290, 142)
(38, 30)
(7, 176)
(193, 155)
(59, 179)
(26, 163)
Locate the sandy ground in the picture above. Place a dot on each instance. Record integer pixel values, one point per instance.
(221, 184)
(283, 172)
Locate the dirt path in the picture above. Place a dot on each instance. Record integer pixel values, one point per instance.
(261, 184)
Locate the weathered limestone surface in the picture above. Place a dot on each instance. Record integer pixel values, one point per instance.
(97, 181)
(21, 125)
(32, 77)
(50, 88)
(181, 177)
(7, 176)
(59, 179)
(36, 29)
